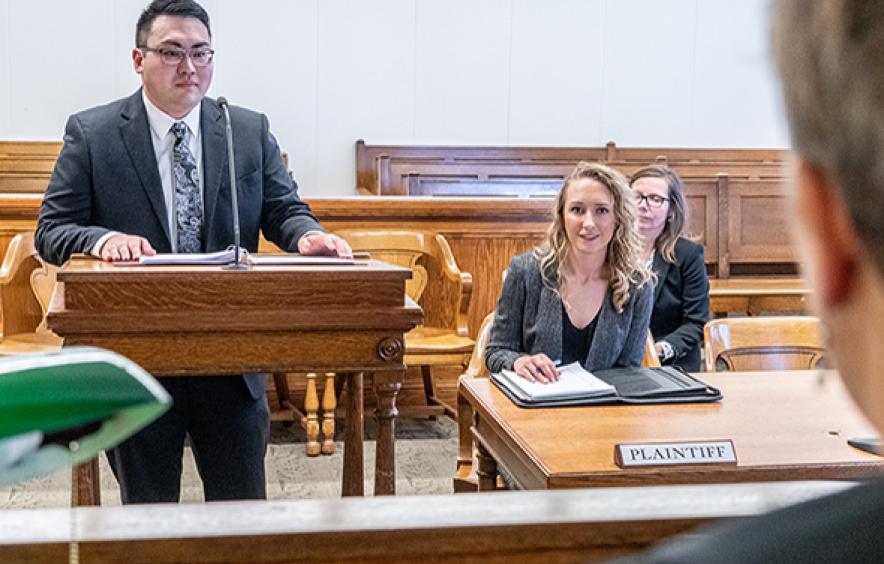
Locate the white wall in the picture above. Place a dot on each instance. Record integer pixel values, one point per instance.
(327, 72)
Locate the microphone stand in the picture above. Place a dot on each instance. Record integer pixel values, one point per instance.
(237, 264)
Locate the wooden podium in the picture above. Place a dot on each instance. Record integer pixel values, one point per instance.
(199, 320)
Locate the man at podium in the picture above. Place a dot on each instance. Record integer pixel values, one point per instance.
(149, 173)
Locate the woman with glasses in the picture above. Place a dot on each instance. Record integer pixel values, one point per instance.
(584, 294)
(681, 293)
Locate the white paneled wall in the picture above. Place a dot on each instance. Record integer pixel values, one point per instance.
(365, 86)
(462, 60)
(557, 79)
(648, 75)
(735, 94)
(5, 83)
(518, 72)
(54, 65)
(274, 72)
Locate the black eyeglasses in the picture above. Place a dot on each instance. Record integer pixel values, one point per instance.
(652, 200)
(200, 57)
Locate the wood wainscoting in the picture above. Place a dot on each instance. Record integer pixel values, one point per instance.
(742, 224)
(734, 197)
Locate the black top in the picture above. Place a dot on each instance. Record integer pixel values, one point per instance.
(575, 342)
(681, 303)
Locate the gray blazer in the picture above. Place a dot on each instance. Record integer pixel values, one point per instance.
(528, 320)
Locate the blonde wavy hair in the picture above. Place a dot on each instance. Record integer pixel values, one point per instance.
(678, 209)
(624, 257)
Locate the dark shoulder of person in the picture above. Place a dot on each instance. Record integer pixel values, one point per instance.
(845, 527)
(686, 249)
(97, 120)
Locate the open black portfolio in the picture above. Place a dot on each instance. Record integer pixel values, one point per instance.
(576, 386)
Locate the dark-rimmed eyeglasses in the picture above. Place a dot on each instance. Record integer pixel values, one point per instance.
(171, 56)
(652, 200)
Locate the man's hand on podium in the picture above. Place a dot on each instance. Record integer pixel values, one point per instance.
(317, 243)
(124, 247)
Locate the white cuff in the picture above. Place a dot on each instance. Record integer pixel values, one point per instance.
(96, 249)
(668, 351)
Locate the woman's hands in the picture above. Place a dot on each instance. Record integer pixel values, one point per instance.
(536, 368)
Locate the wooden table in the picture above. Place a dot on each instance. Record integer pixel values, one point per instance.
(756, 295)
(784, 425)
(198, 320)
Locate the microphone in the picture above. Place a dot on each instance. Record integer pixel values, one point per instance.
(237, 263)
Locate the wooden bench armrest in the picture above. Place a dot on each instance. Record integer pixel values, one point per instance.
(463, 282)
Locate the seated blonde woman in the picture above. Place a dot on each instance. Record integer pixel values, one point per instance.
(584, 294)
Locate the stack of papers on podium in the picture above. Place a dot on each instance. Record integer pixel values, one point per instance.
(64, 408)
(227, 256)
(574, 382)
(220, 257)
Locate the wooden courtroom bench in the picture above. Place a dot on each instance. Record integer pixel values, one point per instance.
(734, 196)
(25, 166)
(406, 177)
(573, 526)
(757, 295)
(384, 169)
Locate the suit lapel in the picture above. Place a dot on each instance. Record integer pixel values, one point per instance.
(214, 157)
(135, 131)
(661, 267)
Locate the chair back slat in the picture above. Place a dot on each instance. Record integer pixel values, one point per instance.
(437, 284)
(763, 343)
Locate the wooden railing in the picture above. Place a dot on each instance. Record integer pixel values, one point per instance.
(573, 526)
(485, 233)
(740, 218)
(740, 221)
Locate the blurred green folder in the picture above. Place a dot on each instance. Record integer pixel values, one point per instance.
(64, 408)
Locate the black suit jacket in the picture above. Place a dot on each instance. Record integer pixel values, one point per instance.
(844, 527)
(107, 179)
(681, 303)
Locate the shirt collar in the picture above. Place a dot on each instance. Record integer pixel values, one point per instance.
(160, 122)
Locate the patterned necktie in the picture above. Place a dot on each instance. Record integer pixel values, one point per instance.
(188, 201)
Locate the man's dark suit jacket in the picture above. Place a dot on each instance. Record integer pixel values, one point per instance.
(107, 179)
(681, 303)
(844, 528)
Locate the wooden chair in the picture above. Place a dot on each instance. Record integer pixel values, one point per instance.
(763, 343)
(26, 285)
(441, 289)
(650, 358)
(465, 478)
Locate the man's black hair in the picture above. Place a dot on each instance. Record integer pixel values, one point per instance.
(177, 8)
